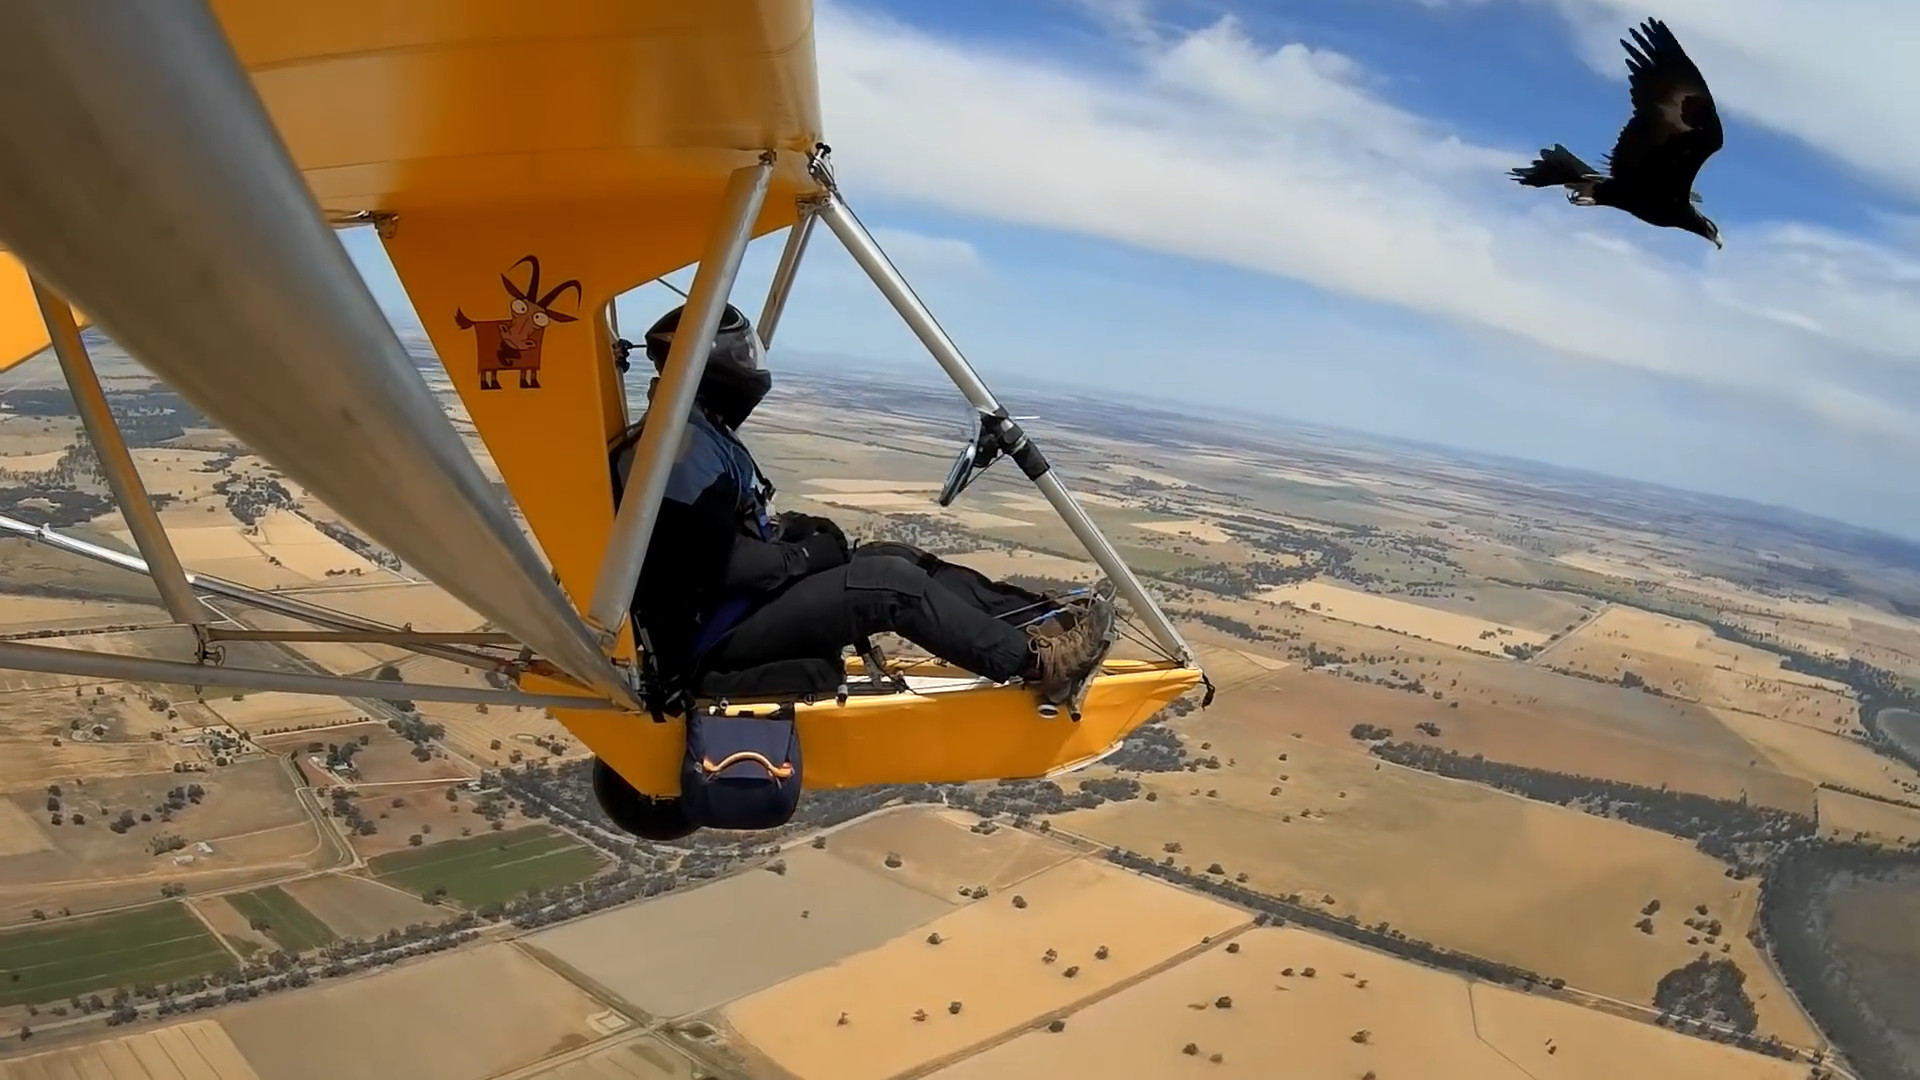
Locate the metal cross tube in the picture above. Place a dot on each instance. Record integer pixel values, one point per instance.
(16, 656)
(163, 564)
(783, 273)
(865, 251)
(673, 398)
(278, 603)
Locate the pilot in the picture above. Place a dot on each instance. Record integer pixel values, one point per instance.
(727, 587)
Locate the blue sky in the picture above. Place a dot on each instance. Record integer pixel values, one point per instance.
(1299, 208)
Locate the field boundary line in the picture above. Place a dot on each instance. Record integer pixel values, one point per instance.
(1473, 1014)
(588, 985)
(218, 937)
(1539, 654)
(928, 1068)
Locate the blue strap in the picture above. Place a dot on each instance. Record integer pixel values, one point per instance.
(724, 617)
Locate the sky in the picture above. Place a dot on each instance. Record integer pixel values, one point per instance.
(1299, 209)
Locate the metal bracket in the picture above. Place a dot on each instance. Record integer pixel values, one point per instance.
(981, 451)
(385, 223)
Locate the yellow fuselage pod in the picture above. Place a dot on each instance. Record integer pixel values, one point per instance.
(938, 736)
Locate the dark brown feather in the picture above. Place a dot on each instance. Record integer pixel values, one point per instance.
(1675, 126)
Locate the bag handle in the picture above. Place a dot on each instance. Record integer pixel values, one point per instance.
(778, 772)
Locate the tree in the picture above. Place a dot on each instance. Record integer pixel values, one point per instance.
(415, 840)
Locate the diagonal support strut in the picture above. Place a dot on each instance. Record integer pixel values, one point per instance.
(673, 399)
(110, 446)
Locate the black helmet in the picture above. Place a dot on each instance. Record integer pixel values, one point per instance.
(735, 379)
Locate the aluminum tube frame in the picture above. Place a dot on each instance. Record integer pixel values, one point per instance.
(266, 601)
(123, 478)
(15, 656)
(783, 273)
(397, 638)
(149, 186)
(673, 398)
(867, 252)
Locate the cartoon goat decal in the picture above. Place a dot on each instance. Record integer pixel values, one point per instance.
(513, 343)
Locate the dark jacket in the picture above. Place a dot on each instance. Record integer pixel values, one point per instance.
(714, 555)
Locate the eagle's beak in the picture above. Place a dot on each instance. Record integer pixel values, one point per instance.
(1718, 244)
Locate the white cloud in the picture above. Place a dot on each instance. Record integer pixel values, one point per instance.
(1284, 159)
(910, 250)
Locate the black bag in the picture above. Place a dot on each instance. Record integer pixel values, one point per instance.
(741, 772)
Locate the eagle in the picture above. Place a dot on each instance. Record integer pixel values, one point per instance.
(1673, 131)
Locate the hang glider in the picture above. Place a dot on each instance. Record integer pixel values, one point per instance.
(177, 177)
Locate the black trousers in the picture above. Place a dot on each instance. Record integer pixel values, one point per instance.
(951, 611)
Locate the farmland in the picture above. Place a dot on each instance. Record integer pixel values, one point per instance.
(941, 855)
(154, 944)
(739, 934)
(489, 868)
(1005, 964)
(356, 907)
(121, 838)
(477, 1012)
(282, 919)
(1358, 1013)
(195, 1050)
(1459, 607)
(1476, 870)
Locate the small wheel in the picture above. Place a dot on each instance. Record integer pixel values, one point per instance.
(661, 820)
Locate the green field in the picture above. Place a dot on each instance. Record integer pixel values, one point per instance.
(291, 926)
(490, 869)
(155, 944)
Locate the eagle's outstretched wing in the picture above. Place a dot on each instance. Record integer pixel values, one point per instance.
(1675, 126)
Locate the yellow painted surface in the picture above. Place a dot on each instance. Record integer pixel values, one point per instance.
(22, 332)
(550, 441)
(503, 106)
(508, 110)
(988, 734)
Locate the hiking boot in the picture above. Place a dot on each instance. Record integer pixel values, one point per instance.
(1069, 646)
